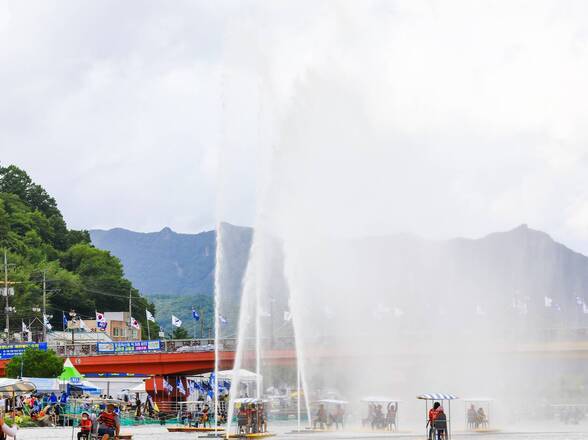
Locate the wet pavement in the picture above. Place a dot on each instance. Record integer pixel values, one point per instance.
(161, 433)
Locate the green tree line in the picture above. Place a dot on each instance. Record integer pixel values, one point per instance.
(38, 242)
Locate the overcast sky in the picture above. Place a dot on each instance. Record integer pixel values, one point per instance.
(124, 110)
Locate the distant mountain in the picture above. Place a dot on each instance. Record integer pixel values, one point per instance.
(511, 273)
(170, 263)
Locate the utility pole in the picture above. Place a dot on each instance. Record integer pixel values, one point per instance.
(44, 304)
(130, 315)
(7, 295)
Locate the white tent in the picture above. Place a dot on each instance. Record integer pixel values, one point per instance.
(242, 374)
(140, 388)
(44, 385)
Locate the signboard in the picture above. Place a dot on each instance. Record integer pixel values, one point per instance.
(128, 347)
(8, 351)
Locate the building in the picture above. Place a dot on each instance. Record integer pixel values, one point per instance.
(118, 327)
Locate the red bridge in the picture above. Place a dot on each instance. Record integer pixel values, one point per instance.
(163, 364)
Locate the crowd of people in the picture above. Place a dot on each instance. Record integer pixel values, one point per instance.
(476, 418)
(44, 408)
(252, 418)
(376, 418)
(325, 420)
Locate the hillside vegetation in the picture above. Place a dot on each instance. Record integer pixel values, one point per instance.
(78, 276)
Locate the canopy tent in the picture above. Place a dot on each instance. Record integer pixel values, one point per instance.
(83, 387)
(332, 402)
(437, 396)
(242, 374)
(247, 400)
(70, 372)
(16, 386)
(380, 399)
(139, 388)
(43, 385)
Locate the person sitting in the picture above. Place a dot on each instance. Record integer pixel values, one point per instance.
(321, 417)
(204, 419)
(378, 421)
(85, 427)
(440, 424)
(242, 420)
(339, 416)
(481, 418)
(108, 423)
(472, 417)
(391, 417)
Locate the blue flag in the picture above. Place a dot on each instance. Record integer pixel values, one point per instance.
(222, 319)
(64, 321)
(195, 314)
(180, 386)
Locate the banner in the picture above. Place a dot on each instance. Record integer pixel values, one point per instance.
(128, 347)
(8, 351)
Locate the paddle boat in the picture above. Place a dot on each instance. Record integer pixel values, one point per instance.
(440, 429)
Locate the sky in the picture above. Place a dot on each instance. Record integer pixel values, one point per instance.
(442, 119)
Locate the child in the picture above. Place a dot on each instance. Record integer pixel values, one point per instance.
(85, 427)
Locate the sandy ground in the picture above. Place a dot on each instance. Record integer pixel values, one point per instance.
(160, 433)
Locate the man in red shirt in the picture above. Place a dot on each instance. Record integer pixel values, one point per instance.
(433, 412)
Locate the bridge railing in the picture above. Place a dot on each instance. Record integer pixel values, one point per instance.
(167, 346)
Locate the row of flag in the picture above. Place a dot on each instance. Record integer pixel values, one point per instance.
(102, 323)
(177, 322)
(194, 387)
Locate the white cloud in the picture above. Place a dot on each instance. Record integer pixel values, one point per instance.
(442, 118)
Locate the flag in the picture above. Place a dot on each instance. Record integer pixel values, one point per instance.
(548, 301)
(195, 314)
(46, 323)
(101, 321)
(83, 324)
(222, 319)
(167, 386)
(180, 386)
(176, 321)
(191, 388)
(287, 315)
(24, 328)
(135, 323)
(149, 315)
(64, 321)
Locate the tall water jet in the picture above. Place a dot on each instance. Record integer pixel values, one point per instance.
(217, 297)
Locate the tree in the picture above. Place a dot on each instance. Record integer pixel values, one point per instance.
(180, 333)
(36, 237)
(35, 363)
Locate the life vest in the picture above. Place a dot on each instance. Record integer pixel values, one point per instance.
(433, 414)
(109, 419)
(86, 425)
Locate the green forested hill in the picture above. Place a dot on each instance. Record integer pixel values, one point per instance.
(78, 275)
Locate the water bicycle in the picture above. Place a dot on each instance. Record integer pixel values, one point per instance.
(440, 428)
(377, 418)
(251, 418)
